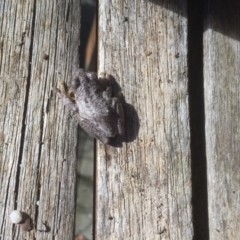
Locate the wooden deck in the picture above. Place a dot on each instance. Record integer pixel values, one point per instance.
(175, 172)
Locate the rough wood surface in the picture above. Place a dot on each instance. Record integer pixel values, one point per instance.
(143, 189)
(38, 47)
(222, 108)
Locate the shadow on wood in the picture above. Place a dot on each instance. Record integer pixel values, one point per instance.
(131, 119)
(197, 122)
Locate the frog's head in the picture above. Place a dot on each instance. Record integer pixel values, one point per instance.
(78, 80)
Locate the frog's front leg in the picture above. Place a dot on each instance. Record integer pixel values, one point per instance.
(107, 94)
(66, 96)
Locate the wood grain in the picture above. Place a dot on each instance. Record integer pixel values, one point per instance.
(39, 43)
(143, 188)
(222, 101)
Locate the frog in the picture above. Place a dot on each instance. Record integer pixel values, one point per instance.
(98, 107)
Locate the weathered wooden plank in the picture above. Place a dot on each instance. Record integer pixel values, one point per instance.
(39, 47)
(222, 108)
(143, 189)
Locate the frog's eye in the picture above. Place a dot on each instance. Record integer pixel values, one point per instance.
(75, 83)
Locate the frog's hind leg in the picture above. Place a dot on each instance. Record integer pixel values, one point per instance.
(120, 112)
(93, 130)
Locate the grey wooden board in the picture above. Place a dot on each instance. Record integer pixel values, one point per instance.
(143, 189)
(38, 140)
(222, 112)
